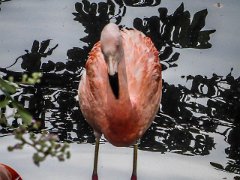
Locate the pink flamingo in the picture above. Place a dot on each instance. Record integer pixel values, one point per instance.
(8, 173)
(120, 91)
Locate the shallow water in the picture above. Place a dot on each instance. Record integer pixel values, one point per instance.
(198, 124)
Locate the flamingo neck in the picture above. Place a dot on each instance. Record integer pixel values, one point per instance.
(122, 81)
(123, 99)
(121, 113)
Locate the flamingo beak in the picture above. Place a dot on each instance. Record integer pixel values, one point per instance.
(112, 66)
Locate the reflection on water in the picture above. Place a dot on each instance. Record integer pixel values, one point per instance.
(175, 31)
(189, 115)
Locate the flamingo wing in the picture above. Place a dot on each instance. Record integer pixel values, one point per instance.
(144, 76)
(92, 90)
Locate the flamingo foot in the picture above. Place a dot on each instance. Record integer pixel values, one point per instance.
(94, 177)
(134, 177)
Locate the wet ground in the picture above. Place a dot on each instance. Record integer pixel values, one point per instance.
(196, 133)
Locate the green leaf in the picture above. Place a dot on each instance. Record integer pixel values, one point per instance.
(3, 119)
(4, 102)
(5, 86)
(26, 117)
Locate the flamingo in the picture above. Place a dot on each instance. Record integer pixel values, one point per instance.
(121, 88)
(8, 173)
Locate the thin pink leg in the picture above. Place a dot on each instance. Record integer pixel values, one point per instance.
(95, 174)
(134, 172)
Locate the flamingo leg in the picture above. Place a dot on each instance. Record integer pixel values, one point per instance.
(95, 174)
(134, 172)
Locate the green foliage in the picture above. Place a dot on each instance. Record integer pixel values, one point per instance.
(35, 78)
(8, 88)
(21, 112)
(43, 143)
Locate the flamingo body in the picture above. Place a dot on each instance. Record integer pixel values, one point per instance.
(122, 120)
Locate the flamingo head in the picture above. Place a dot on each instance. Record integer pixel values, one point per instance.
(111, 45)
